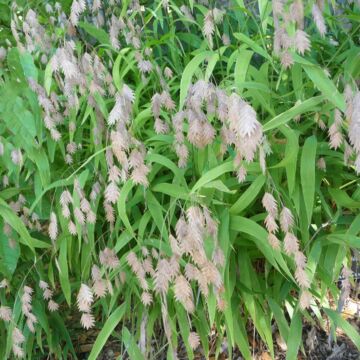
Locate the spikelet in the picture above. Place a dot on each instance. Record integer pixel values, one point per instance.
(271, 224)
(53, 227)
(79, 216)
(183, 293)
(302, 42)
(109, 212)
(17, 336)
(286, 219)
(47, 294)
(274, 241)
(91, 217)
(108, 258)
(99, 288)
(291, 245)
(84, 298)
(270, 204)
(302, 278)
(300, 259)
(53, 306)
(242, 117)
(305, 299)
(5, 313)
(241, 174)
(218, 257)
(139, 175)
(175, 246)
(168, 73)
(72, 228)
(194, 340)
(16, 156)
(87, 320)
(354, 123)
(77, 7)
(286, 59)
(65, 212)
(146, 298)
(18, 351)
(162, 277)
(112, 193)
(319, 19)
(211, 274)
(209, 26)
(321, 163)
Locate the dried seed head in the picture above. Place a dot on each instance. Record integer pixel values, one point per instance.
(84, 298)
(291, 245)
(319, 19)
(183, 293)
(270, 204)
(305, 299)
(274, 241)
(53, 227)
(146, 298)
(87, 320)
(194, 340)
(53, 306)
(271, 224)
(108, 258)
(162, 276)
(5, 313)
(286, 219)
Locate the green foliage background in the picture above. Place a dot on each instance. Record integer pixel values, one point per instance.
(258, 280)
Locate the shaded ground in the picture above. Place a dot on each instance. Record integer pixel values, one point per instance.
(315, 340)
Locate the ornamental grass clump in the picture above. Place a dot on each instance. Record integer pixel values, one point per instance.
(177, 176)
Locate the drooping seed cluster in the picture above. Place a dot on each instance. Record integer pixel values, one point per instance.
(101, 285)
(48, 296)
(158, 273)
(290, 243)
(26, 308)
(286, 16)
(204, 104)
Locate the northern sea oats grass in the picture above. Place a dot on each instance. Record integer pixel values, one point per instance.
(177, 172)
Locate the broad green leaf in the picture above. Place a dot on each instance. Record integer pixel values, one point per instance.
(48, 78)
(308, 105)
(249, 195)
(345, 326)
(321, 80)
(294, 338)
(63, 268)
(9, 254)
(106, 331)
(29, 68)
(131, 346)
(253, 45)
(259, 236)
(279, 318)
(173, 190)
(155, 209)
(307, 174)
(188, 73)
(121, 205)
(258, 316)
(99, 34)
(213, 174)
(218, 185)
(14, 221)
(241, 67)
(343, 199)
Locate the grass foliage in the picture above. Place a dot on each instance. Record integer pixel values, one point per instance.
(98, 173)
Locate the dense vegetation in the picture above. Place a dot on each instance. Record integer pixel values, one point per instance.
(174, 171)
